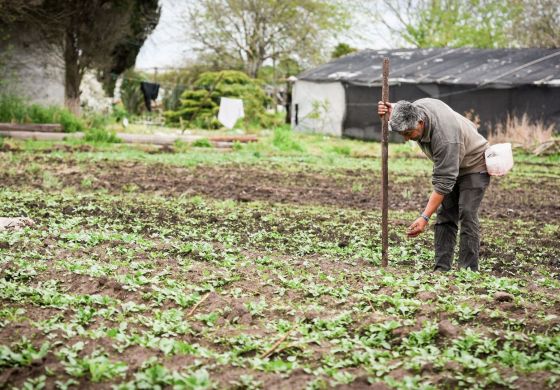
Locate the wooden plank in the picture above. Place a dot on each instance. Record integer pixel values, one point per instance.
(233, 138)
(38, 135)
(41, 127)
(127, 138)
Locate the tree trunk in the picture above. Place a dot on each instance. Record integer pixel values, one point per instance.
(72, 74)
(253, 65)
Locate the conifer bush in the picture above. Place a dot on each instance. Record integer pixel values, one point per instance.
(200, 105)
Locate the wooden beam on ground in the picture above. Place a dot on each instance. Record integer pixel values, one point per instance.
(127, 138)
(41, 127)
(170, 139)
(39, 135)
(385, 170)
(234, 138)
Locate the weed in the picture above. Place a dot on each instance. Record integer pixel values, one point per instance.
(15, 109)
(522, 131)
(283, 139)
(342, 150)
(101, 136)
(202, 143)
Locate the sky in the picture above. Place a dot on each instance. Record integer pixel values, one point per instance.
(169, 46)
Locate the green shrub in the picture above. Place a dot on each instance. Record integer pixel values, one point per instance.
(342, 150)
(200, 105)
(177, 81)
(202, 143)
(284, 140)
(101, 136)
(15, 109)
(119, 112)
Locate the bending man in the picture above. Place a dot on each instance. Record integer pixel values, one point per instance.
(459, 176)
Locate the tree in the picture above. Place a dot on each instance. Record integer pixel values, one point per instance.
(89, 34)
(142, 21)
(471, 23)
(254, 31)
(342, 49)
(538, 25)
(450, 23)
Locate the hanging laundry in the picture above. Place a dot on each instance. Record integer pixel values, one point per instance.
(150, 92)
(230, 111)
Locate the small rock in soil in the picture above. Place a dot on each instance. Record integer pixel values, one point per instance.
(501, 296)
(447, 329)
(15, 223)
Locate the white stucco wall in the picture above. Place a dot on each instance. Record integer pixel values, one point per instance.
(36, 72)
(31, 70)
(320, 107)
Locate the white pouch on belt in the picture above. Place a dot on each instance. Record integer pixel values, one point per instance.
(499, 159)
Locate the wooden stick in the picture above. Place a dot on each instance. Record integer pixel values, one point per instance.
(276, 345)
(197, 305)
(385, 169)
(41, 127)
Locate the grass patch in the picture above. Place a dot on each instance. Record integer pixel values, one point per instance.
(101, 136)
(284, 140)
(523, 132)
(202, 143)
(16, 110)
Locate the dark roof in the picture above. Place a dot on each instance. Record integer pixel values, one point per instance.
(464, 66)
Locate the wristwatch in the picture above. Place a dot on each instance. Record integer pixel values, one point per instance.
(426, 218)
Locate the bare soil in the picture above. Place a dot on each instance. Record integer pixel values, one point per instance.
(530, 199)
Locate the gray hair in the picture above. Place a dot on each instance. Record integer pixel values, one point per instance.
(404, 116)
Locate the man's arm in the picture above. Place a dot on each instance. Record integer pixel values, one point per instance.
(420, 224)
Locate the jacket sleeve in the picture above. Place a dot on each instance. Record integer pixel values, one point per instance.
(446, 157)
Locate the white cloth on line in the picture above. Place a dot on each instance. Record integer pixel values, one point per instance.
(230, 111)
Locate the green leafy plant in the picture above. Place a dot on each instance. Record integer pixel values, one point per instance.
(202, 143)
(200, 105)
(284, 140)
(15, 109)
(101, 136)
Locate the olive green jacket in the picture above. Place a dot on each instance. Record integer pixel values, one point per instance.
(452, 142)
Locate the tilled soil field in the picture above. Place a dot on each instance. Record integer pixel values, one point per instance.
(138, 275)
(531, 198)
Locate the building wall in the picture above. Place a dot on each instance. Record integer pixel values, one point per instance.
(318, 107)
(36, 73)
(30, 70)
(489, 105)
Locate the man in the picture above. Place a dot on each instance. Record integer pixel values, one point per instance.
(459, 176)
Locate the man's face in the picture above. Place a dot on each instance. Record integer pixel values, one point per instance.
(415, 133)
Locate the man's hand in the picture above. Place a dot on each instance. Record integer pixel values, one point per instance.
(417, 227)
(384, 108)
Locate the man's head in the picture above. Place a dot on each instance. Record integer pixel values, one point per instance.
(407, 120)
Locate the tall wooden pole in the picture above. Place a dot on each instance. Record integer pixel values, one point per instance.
(385, 169)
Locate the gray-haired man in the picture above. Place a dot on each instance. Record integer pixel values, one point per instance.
(459, 176)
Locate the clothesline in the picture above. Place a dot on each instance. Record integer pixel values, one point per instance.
(164, 84)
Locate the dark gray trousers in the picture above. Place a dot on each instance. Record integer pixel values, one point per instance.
(460, 208)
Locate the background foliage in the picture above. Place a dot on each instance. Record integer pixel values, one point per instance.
(200, 105)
